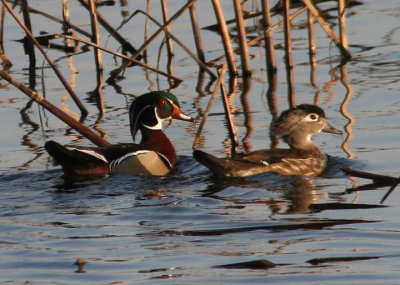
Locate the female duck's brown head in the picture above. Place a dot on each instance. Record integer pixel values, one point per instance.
(296, 126)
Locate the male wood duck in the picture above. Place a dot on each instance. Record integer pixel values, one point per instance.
(154, 155)
(295, 126)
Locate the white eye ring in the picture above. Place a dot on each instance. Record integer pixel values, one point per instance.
(311, 118)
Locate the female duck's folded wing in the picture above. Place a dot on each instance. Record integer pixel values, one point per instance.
(230, 167)
(280, 161)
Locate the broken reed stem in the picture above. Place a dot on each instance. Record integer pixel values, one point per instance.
(83, 130)
(230, 58)
(81, 107)
(244, 52)
(378, 179)
(76, 38)
(327, 29)
(210, 103)
(123, 42)
(196, 33)
(288, 52)
(268, 40)
(115, 73)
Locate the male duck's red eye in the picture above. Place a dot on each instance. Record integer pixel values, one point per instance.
(162, 102)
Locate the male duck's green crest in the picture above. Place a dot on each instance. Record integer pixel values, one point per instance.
(154, 155)
(295, 126)
(152, 109)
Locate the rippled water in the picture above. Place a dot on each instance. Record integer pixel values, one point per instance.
(190, 227)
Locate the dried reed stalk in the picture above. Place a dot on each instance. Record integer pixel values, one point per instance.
(229, 120)
(288, 52)
(65, 13)
(248, 116)
(342, 25)
(28, 43)
(268, 40)
(116, 72)
(230, 58)
(146, 28)
(65, 27)
(164, 8)
(97, 57)
(327, 29)
(170, 48)
(273, 104)
(86, 132)
(7, 63)
(29, 46)
(81, 107)
(311, 48)
(221, 74)
(95, 35)
(196, 33)
(244, 52)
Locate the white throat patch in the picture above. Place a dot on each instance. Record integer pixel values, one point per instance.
(158, 126)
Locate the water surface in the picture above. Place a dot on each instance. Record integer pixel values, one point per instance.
(190, 227)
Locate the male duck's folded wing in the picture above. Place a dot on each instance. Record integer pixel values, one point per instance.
(141, 162)
(86, 160)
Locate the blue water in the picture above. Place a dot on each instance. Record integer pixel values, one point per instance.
(190, 227)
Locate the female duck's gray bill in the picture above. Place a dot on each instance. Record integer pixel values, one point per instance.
(329, 129)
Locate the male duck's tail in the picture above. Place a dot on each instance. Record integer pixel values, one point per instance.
(75, 162)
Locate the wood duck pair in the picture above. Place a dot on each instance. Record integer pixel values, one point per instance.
(295, 126)
(154, 155)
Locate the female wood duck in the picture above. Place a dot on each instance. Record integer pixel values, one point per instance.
(154, 155)
(295, 126)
